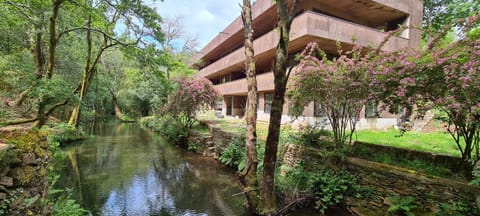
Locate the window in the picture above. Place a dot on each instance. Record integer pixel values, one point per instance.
(268, 102)
(371, 109)
(317, 109)
(225, 78)
(219, 104)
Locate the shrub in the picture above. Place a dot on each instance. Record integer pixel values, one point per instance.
(330, 188)
(66, 133)
(312, 136)
(190, 97)
(235, 153)
(402, 205)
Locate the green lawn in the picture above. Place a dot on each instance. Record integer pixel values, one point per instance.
(235, 125)
(435, 142)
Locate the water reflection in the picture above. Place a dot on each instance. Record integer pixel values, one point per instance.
(125, 170)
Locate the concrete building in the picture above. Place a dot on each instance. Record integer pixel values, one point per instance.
(322, 21)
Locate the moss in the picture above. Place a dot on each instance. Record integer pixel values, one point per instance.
(27, 140)
(23, 175)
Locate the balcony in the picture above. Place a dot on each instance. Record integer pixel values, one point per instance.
(307, 27)
(239, 87)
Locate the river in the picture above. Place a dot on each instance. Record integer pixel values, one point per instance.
(127, 170)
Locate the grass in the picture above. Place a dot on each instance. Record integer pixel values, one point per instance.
(435, 142)
(235, 125)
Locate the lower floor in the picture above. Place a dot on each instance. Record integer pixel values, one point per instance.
(371, 116)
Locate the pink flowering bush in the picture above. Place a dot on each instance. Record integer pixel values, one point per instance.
(190, 97)
(445, 77)
(339, 85)
(441, 76)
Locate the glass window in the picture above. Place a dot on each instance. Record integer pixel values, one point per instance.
(268, 102)
(317, 109)
(371, 109)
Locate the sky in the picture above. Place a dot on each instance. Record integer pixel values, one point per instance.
(204, 18)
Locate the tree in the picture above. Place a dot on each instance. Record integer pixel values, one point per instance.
(142, 19)
(190, 97)
(339, 85)
(248, 177)
(438, 13)
(442, 77)
(285, 18)
(33, 14)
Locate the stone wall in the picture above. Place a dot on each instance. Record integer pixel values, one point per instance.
(448, 161)
(213, 143)
(385, 181)
(429, 191)
(23, 174)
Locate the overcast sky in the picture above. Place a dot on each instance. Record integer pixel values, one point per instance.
(205, 18)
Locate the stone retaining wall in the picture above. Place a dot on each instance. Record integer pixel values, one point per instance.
(23, 174)
(429, 191)
(448, 161)
(386, 181)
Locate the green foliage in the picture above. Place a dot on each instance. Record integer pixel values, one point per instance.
(65, 133)
(5, 205)
(63, 205)
(331, 188)
(417, 164)
(167, 127)
(235, 154)
(193, 146)
(328, 187)
(476, 178)
(402, 205)
(438, 13)
(312, 136)
(454, 208)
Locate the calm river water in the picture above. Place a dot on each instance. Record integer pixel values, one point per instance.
(127, 170)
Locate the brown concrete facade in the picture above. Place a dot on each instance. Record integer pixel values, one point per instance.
(323, 21)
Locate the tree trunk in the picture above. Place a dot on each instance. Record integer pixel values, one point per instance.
(41, 118)
(285, 16)
(75, 115)
(248, 177)
(118, 111)
(53, 38)
(43, 114)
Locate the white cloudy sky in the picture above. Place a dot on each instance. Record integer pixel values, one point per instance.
(204, 18)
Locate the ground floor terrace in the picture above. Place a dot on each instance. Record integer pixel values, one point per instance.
(233, 105)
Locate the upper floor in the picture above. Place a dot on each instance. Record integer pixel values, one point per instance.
(324, 21)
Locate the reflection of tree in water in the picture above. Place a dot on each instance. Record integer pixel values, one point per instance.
(200, 184)
(129, 171)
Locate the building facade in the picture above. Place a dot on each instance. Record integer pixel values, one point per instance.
(323, 21)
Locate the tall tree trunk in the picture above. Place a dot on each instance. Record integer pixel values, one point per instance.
(53, 38)
(75, 115)
(248, 177)
(43, 114)
(285, 17)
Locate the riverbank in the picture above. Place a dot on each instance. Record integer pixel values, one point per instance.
(28, 171)
(381, 187)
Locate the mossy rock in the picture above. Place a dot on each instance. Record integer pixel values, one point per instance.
(23, 176)
(27, 140)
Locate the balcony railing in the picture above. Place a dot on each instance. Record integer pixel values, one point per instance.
(310, 26)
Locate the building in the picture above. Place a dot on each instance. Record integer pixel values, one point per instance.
(322, 21)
